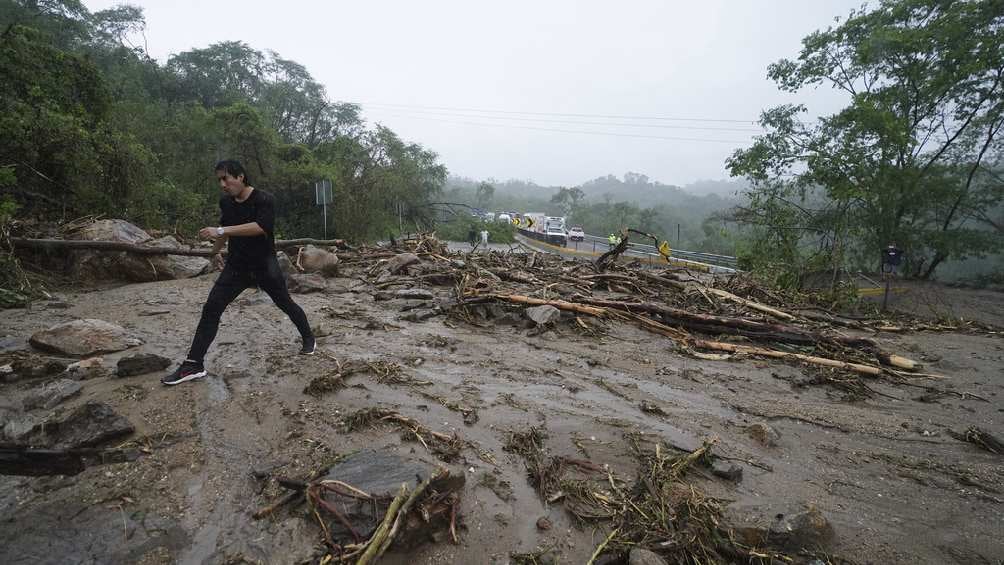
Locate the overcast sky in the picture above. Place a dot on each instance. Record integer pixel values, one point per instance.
(484, 85)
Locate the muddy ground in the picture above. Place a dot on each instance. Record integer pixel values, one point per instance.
(896, 487)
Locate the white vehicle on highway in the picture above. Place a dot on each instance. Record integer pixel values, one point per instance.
(576, 234)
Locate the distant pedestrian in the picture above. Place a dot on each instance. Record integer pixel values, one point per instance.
(472, 236)
(892, 256)
(484, 238)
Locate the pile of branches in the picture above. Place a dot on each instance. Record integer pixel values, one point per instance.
(659, 510)
(709, 317)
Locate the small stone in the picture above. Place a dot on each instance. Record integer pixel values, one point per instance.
(543, 315)
(808, 529)
(52, 394)
(543, 524)
(639, 556)
(727, 470)
(90, 368)
(763, 433)
(140, 363)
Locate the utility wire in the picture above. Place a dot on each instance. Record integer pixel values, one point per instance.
(588, 132)
(572, 122)
(608, 116)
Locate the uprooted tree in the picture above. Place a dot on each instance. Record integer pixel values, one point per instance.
(915, 157)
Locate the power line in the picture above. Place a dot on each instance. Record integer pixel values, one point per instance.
(573, 122)
(587, 132)
(607, 116)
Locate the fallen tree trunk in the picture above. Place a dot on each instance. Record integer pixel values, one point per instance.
(751, 304)
(139, 249)
(824, 361)
(112, 246)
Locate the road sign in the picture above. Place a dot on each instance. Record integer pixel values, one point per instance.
(323, 197)
(322, 192)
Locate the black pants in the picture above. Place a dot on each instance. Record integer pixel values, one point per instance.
(228, 286)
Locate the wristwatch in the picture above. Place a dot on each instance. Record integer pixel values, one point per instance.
(219, 230)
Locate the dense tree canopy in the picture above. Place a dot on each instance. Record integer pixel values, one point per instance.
(915, 156)
(89, 124)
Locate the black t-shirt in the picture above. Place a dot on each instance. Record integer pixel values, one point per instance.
(892, 256)
(249, 252)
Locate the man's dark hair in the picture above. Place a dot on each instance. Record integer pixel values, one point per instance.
(234, 169)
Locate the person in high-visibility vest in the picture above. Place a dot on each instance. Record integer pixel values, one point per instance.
(612, 239)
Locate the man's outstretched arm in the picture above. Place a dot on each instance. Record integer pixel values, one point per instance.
(249, 229)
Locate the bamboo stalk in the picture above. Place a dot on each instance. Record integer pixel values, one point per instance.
(373, 548)
(602, 546)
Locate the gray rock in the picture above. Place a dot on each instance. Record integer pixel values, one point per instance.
(303, 284)
(380, 474)
(312, 259)
(31, 366)
(727, 471)
(84, 337)
(399, 262)
(420, 314)
(140, 363)
(89, 425)
(285, 265)
(543, 315)
(763, 434)
(808, 529)
(90, 368)
(176, 266)
(639, 556)
(101, 265)
(50, 395)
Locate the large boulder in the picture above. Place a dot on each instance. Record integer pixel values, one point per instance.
(175, 266)
(381, 474)
(399, 262)
(101, 265)
(89, 425)
(316, 260)
(82, 338)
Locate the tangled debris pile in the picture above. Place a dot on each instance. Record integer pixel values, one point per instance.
(702, 317)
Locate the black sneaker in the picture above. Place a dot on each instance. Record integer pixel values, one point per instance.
(309, 346)
(188, 371)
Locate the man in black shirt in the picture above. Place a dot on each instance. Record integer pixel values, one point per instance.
(247, 219)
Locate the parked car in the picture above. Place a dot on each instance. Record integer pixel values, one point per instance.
(576, 234)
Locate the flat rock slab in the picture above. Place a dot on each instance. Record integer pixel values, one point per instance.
(50, 395)
(89, 425)
(380, 474)
(140, 363)
(302, 284)
(81, 338)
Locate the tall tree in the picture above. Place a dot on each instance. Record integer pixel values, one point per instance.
(907, 159)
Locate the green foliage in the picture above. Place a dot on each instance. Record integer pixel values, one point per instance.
(912, 159)
(94, 126)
